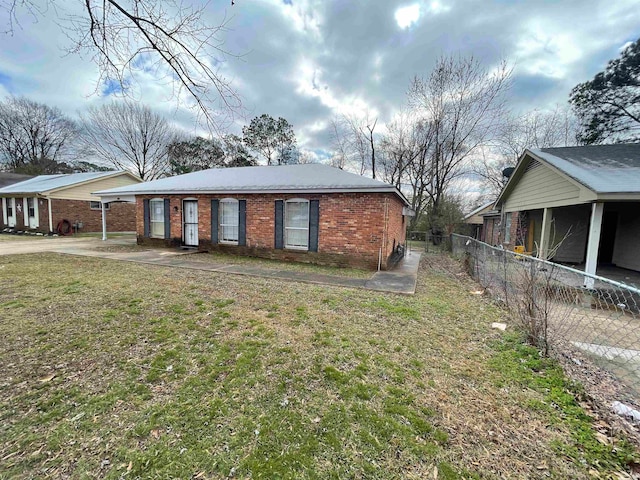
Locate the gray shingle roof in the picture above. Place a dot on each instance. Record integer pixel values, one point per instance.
(46, 183)
(307, 178)
(11, 178)
(601, 168)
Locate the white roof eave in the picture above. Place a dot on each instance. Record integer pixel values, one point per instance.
(105, 194)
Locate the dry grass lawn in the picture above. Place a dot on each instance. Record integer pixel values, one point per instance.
(117, 370)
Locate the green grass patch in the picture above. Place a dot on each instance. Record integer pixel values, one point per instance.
(115, 370)
(522, 364)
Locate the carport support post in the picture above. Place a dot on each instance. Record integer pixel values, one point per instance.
(50, 215)
(104, 221)
(545, 234)
(593, 244)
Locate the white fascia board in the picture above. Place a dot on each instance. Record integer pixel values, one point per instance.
(254, 192)
(116, 198)
(91, 180)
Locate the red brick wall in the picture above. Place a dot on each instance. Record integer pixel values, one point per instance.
(120, 218)
(351, 227)
(492, 230)
(396, 227)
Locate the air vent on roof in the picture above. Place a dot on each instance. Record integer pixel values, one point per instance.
(532, 165)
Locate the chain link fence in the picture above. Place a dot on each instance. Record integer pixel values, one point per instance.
(563, 309)
(427, 242)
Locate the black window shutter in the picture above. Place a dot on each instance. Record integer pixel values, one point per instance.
(147, 218)
(167, 218)
(242, 223)
(279, 224)
(215, 205)
(314, 224)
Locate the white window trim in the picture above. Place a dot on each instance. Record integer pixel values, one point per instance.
(36, 213)
(220, 224)
(25, 212)
(11, 220)
(107, 206)
(5, 219)
(285, 228)
(151, 222)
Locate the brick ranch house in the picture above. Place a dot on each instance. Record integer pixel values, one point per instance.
(41, 203)
(576, 205)
(307, 213)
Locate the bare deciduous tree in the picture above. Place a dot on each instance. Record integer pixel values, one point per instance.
(130, 137)
(398, 148)
(31, 132)
(169, 37)
(462, 102)
(354, 142)
(534, 129)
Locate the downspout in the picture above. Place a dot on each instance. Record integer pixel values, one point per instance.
(384, 233)
(50, 214)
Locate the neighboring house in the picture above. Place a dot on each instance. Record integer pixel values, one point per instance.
(41, 203)
(8, 178)
(476, 220)
(308, 213)
(576, 205)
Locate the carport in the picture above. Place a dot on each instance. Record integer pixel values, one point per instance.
(107, 199)
(579, 204)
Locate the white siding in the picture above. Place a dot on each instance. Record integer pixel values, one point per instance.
(541, 187)
(83, 192)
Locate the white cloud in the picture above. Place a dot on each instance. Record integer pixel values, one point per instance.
(547, 51)
(302, 16)
(309, 83)
(625, 46)
(407, 16)
(437, 7)
(309, 60)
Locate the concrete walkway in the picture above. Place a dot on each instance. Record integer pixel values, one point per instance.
(400, 280)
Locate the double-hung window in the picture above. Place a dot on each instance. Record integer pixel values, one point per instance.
(296, 224)
(229, 220)
(10, 206)
(156, 206)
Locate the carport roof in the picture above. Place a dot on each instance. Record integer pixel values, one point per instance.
(48, 183)
(308, 178)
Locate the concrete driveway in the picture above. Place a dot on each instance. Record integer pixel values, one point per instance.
(13, 244)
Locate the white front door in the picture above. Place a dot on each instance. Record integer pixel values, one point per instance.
(190, 218)
(11, 212)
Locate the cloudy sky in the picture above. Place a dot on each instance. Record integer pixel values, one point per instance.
(308, 60)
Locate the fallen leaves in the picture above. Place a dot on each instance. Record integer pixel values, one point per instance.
(47, 378)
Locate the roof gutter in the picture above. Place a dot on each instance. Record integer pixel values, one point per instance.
(106, 193)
